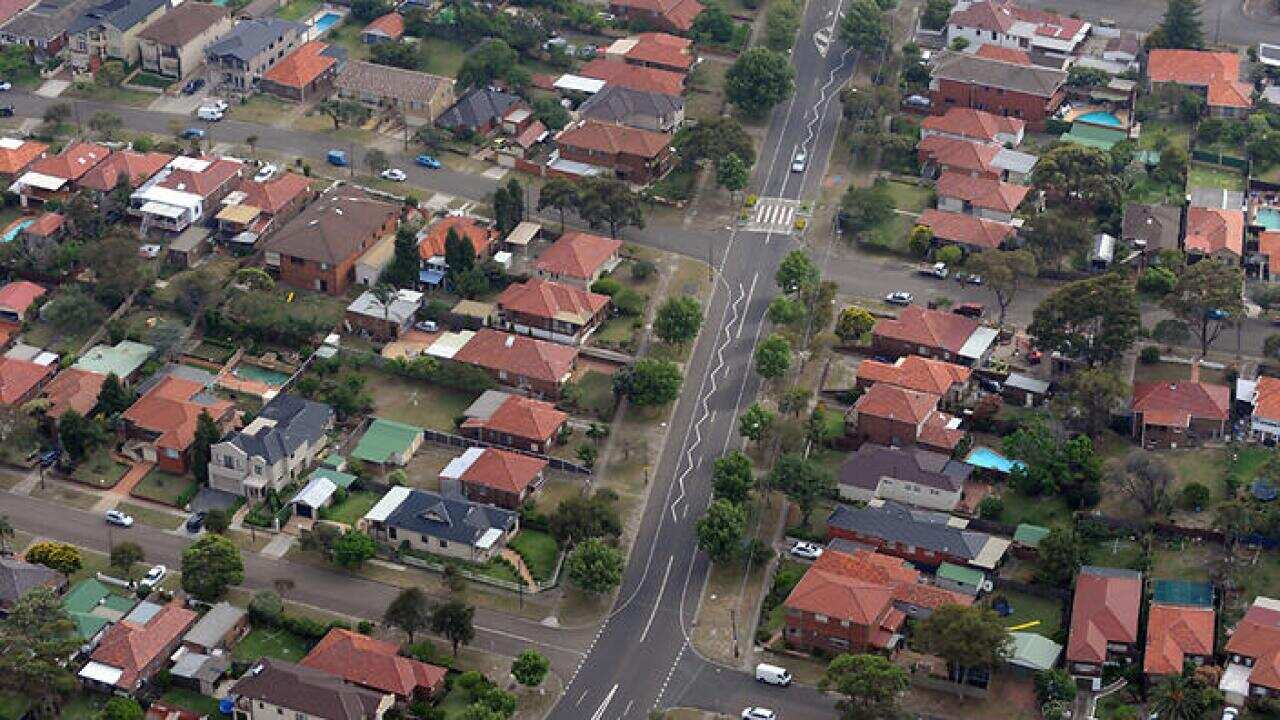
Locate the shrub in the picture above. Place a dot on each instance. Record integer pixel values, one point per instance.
(606, 286)
(1194, 496)
(1149, 355)
(991, 508)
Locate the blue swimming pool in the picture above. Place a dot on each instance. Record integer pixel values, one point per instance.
(1100, 117)
(326, 20)
(1268, 217)
(988, 459)
(13, 231)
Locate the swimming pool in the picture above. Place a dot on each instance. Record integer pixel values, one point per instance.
(326, 20)
(1100, 117)
(15, 229)
(1267, 217)
(272, 378)
(988, 459)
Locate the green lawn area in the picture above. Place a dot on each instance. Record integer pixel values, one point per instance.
(100, 470)
(618, 333)
(261, 109)
(298, 10)
(149, 79)
(84, 707)
(706, 76)
(1175, 372)
(539, 552)
(444, 57)
(163, 487)
(597, 393)
(1029, 608)
(892, 234)
(272, 643)
(1260, 578)
(1181, 560)
(1178, 134)
(1248, 461)
(1212, 176)
(907, 196)
(349, 511)
(191, 700)
(1115, 553)
(416, 402)
(112, 96)
(13, 706)
(1019, 508)
(42, 334)
(151, 516)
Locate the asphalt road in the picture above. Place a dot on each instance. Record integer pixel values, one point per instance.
(1229, 22)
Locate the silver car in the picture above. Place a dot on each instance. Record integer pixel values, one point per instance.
(799, 162)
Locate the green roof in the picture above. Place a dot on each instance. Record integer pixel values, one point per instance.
(1183, 592)
(88, 624)
(961, 575)
(84, 596)
(1029, 535)
(123, 359)
(1034, 651)
(88, 595)
(334, 461)
(1094, 136)
(385, 438)
(341, 479)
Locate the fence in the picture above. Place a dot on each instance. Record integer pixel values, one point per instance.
(1161, 530)
(521, 588)
(1218, 158)
(1040, 591)
(992, 527)
(444, 438)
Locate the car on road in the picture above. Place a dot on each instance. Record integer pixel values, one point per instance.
(338, 157)
(5, 85)
(49, 458)
(218, 103)
(6, 111)
(154, 576)
(799, 161)
(427, 161)
(196, 521)
(265, 172)
(209, 114)
(900, 297)
(427, 326)
(115, 517)
(936, 270)
(192, 134)
(193, 87)
(759, 713)
(393, 174)
(969, 309)
(772, 675)
(806, 550)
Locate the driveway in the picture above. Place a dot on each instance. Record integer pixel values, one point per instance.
(177, 104)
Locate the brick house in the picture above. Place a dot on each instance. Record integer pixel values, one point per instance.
(1177, 634)
(305, 74)
(638, 108)
(16, 155)
(419, 97)
(262, 207)
(274, 689)
(551, 310)
(923, 537)
(318, 249)
(494, 476)
(186, 192)
(22, 380)
(633, 77)
(941, 154)
(1216, 74)
(16, 298)
(239, 60)
(161, 425)
(514, 421)
(1170, 415)
(933, 333)
(173, 46)
(982, 197)
(907, 475)
(673, 16)
(479, 111)
(136, 648)
(432, 240)
(376, 665)
(52, 177)
(73, 389)
(660, 50)
(912, 372)
(634, 155)
(579, 258)
(1104, 622)
(1029, 93)
(1215, 233)
(127, 166)
(889, 415)
(976, 125)
(974, 234)
(1253, 654)
(535, 366)
(386, 29)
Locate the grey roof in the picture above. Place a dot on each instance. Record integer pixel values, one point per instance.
(895, 523)
(402, 307)
(302, 689)
(214, 626)
(119, 14)
(1126, 42)
(871, 462)
(390, 82)
(448, 517)
(1269, 54)
(478, 107)
(619, 104)
(1015, 161)
(1019, 381)
(486, 405)
(250, 37)
(1028, 79)
(198, 666)
(297, 421)
(47, 20)
(17, 577)
(1159, 226)
(1217, 198)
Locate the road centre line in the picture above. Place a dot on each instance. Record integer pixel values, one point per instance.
(657, 602)
(605, 704)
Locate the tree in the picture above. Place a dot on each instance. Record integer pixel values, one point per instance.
(935, 14)
(1145, 479)
(578, 518)
(252, 142)
(1184, 697)
(869, 686)
(125, 555)
(105, 124)
(759, 79)
(773, 357)
(217, 521)
(678, 320)
(122, 708)
(207, 435)
(530, 668)
(455, 621)
(1171, 332)
(854, 322)
(409, 612)
(605, 201)
(110, 74)
(1208, 299)
(343, 112)
(508, 206)
(1157, 281)
(781, 21)
(710, 139)
(588, 454)
(720, 530)
(551, 113)
(367, 11)
(1078, 176)
(493, 60)
(865, 207)
(113, 398)
(920, 240)
(376, 160)
(58, 113)
(402, 272)
(1095, 320)
(210, 565)
(732, 173)
(1271, 347)
(1061, 555)
(1194, 496)
(115, 263)
(712, 26)
(353, 548)
(1091, 396)
(784, 310)
(79, 434)
(731, 478)
(1004, 272)
(56, 556)
(755, 422)
(1181, 26)
(594, 566)
(865, 26)
(649, 382)
(36, 638)
(459, 253)
(966, 637)
(803, 481)
(797, 272)
(558, 193)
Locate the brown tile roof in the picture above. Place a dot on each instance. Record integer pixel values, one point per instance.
(982, 192)
(614, 139)
(523, 417)
(1158, 225)
(72, 163)
(915, 373)
(1210, 230)
(895, 403)
(332, 228)
(19, 294)
(302, 66)
(131, 647)
(172, 409)
(1218, 72)
(504, 470)
(636, 77)
(861, 586)
(45, 225)
(958, 154)
(974, 124)
(1176, 404)
(662, 49)
(1024, 79)
(273, 195)
(518, 355)
(184, 23)
(1000, 17)
(308, 691)
(390, 25)
(20, 377)
(373, 664)
(552, 300)
(679, 13)
(203, 183)
(73, 389)
(16, 155)
(1105, 610)
(1269, 245)
(966, 229)
(136, 166)
(929, 328)
(431, 240)
(1174, 632)
(578, 255)
(940, 430)
(385, 81)
(1257, 636)
(1004, 54)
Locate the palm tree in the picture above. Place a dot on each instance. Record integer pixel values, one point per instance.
(1180, 697)
(385, 295)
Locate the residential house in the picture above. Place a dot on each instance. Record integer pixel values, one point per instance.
(72, 389)
(126, 168)
(1104, 622)
(513, 421)
(125, 359)
(197, 672)
(16, 155)
(161, 425)
(933, 333)
(320, 492)
(451, 526)
(858, 602)
(1215, 233)
(635, 77)
(305, 74)
(921, 374)
(1177, 634)
(974, 234)
(52, 178)
(1178, 414)
(386, 29)
(1264, 420)
(16, 298)
(17, 578)
(238, 61)
(964, 123)
(994, 22)
(109, 31)
(92, 607)
(43, 28)
(479, 111)
(535, 366)
(272, 451)
(1029, 93)
(42, 236)
(923, 537)
(218, 629)
(387, 442)
(891, 415)
(185, 192)
(1265, 262)
(1123, 50)
(372, 262)
(258, 208)
(941, 154)
(907, 475)
(432, 239)
(982, 197)
(1216, 74)
(660, 50)
(634, 155)
(1253, 654)
(174, 45)
(620, 105)
(273, 689)
(22, 380)
(382, 321)
(133, 650)
(673, 16)
(551, 310)
(416, 96)
(1151, 228)
(493, 476)
(579, 258)
(376, 665)
(318, 249)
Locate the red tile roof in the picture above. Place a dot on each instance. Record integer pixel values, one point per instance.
(73, 389)
(171, 410)
(131, 647)
(1004, 54)
(1174, 632)
(679, 13)
(1269, 245)
(895, 403)
(552, 301)
(913, 372)
(19, 377)
(1257, 636)
(9, 8)
(1267, 404)
(861, 587)
(1000, 17)
(966, 229)
(390, 25)
(578, 255)
(941, 431)
(1211, 229)
(662, 49)
(928, 328)
(275, 194)
(1105, 610)
(973, 124)
(636, 77)
(72, 163)
(431, 240)
(614, 139)
(135, 166)
(518, 355)
(16, 155)
(504, 470)
(205, 182)
(373, 663)
(1218, 72)
(302, 66)
(982, 192)
(46, 225)
(1177, 404)
(523, 417)
(19, 294)
(957, 154)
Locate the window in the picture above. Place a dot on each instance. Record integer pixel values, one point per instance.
(820, 617)
(392, 533)
(172, 454)
(444, 543)
(229, 462)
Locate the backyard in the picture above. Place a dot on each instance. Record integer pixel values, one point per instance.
(190, 700)
(892, 234)
(417, 402)
(162, 487)
(1046, 613)
(1213, 176)
(539, 552)
(273, 643)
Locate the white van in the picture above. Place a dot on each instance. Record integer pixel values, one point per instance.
(772, 675)
(211, 114)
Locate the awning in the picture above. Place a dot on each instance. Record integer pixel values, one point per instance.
(578, 83)
(430, 277)
(101, 673)
(164, 211)
(316, 493)
(989, 557)
(978, 343)
(40, 181)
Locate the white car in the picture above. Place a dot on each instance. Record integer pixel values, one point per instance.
(218, 103)
(115, 517)
(265, 172)
(5, 85)
(899, 298)
(393, 174)
(154, 576)
(759, 713)
(806, 550)
(1230, 713)
(799, 161)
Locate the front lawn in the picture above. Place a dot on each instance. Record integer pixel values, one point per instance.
(1161, 372)
(539, 552)
(84, 707)
(100, 470)
(597, 394)
(272, 643)
(350, 510)
(417, 402)
(150, 79)
(191, 700)
(151, 516)
(165, 488)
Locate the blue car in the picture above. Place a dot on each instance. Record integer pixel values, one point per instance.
(192, 133)
(338, 157)
(427, 161)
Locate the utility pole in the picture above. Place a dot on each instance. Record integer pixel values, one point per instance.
(733, 623)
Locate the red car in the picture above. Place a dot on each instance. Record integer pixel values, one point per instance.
(1034, 356)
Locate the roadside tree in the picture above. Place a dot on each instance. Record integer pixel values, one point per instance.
(803, 481)
(796, 273)
(968, 638)
(869, 686)
(608, 202)
(732, 478)
(409, 612)
(594, 566)
(559, 194)
(650, 382)
(1208, 299)
(720, 530)
(1095, 320)
(455, 620)
(773, 357)
(1004, 272)
(210, 565)
(759, 79)
(125, 555)
(678, 320)
(530, 668)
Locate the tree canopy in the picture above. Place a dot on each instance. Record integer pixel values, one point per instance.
(210, 565)
(594, 566)
(1095, 320)
(649, 382)
(678, 319)
(1207, 297)
(720, 530)
(759, 79)
(869, 686)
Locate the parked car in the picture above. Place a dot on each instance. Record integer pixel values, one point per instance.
(428, 161)
(115, 517)
(899, 298)
(209, 114)
(918, 101)
(265, 172)
(393, 174)
(193, 87)
(6, 111)
(974, 279)
(759, 713)
(5, 85)
(192, 133)
(937, 270)
(772, 675)
(154, 576)
(969, 309)
(1230, 713)
(1034, 356)
(49, 458)
(990, 385)
(426, 326)
(799, 161)
(338, 157)
(588, 51)
(196, 521)
(806, 550)
(218, 103)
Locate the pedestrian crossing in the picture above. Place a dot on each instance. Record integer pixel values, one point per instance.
(776, 215)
